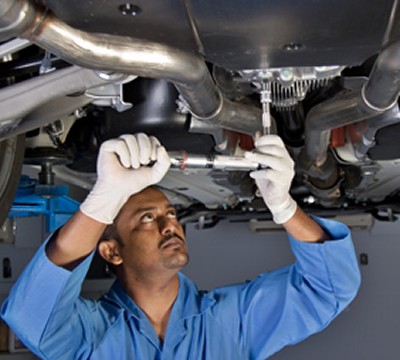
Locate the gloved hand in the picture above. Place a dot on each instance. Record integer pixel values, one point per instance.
(274, 182)
(122, 171)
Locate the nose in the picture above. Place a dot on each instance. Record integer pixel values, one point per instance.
(167, 225)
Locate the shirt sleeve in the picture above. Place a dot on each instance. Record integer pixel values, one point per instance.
(44, 297)
(287, 305)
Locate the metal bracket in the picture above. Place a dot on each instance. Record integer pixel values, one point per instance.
(110, 95)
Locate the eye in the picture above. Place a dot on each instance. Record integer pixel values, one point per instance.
(147, 218)
(171, 213)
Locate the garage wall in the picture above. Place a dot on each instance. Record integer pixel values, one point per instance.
(367, 330)
(27, 238)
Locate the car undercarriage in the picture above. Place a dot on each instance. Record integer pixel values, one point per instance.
(205, 77)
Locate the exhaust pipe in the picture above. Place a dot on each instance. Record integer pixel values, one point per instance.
(344, 109)
(15, 18)
(376, 99)
(382, 89)
(187, 71)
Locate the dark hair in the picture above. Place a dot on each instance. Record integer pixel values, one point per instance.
(111, 232)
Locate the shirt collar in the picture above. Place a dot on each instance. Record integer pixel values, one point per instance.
(190, 301)
(117, 295)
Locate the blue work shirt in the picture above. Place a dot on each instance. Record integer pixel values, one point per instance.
(252, 320)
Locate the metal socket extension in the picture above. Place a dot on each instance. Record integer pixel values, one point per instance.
(182, 160)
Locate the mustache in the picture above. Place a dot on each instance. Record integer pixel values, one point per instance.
(169, 237)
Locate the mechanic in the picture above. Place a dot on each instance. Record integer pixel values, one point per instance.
(152, 310)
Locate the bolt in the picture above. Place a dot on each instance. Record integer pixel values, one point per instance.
(286, 74)
(129, 9)
(80, 113)
(292, 46)
(265, 75)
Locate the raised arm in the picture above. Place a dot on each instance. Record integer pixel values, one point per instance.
(121, 172)
(44, 307)
(274, 184)
(285, 306)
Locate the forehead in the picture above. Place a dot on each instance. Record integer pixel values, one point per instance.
(148, 198)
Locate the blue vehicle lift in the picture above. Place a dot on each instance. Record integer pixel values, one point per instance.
(52, 201)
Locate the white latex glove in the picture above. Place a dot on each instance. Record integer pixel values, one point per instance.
(122, 171)
(274, 182)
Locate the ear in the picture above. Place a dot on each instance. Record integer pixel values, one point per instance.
(109, 251)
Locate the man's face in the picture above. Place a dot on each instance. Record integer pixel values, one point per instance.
(152, 238)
